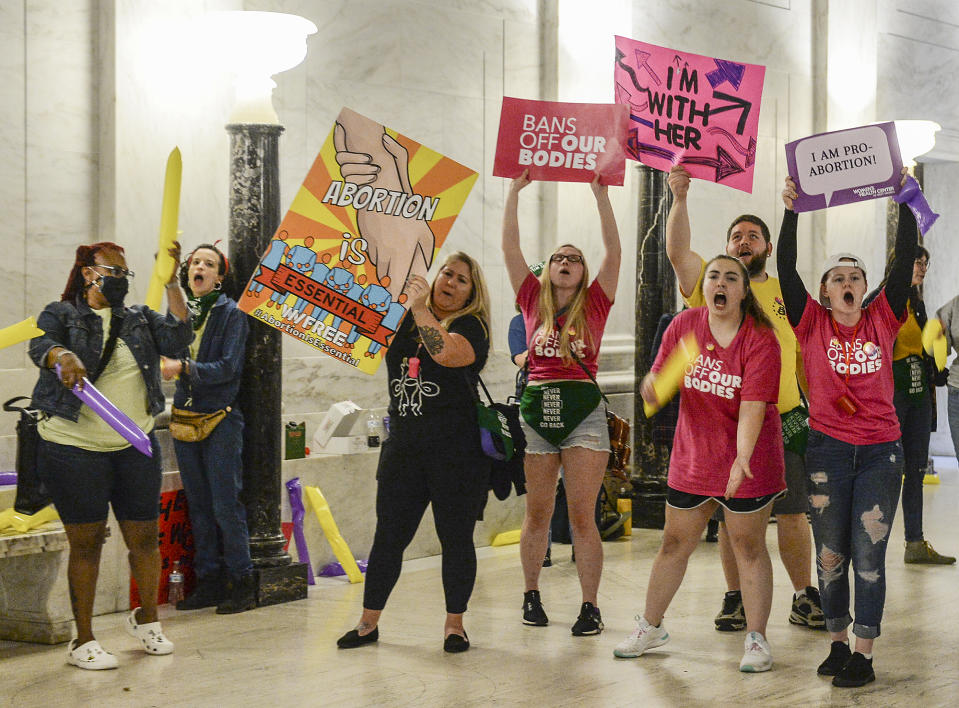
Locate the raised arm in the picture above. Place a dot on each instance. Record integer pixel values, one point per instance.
(794, 292)
(686, 262)
(900, 272)
(608, 275)
(512, 254)
(450, 350)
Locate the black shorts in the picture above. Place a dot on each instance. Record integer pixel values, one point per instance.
(685, 500)
(85, 483)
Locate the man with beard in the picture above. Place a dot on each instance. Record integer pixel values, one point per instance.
(748, 240)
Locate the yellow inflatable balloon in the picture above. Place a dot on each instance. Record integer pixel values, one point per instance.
(667, 382)
(342, 552)
(26, 522)
(164, 265)
(934, 342)
(6, 518)
(20, 332)
(507, 538)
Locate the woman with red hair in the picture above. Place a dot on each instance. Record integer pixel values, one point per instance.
(90, 334)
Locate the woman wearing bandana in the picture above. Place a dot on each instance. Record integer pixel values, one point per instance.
(565, 316)
(211, 469)
(86, 465)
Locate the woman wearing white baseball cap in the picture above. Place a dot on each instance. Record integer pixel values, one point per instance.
(854, 457)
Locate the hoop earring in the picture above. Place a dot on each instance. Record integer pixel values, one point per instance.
(219, 285)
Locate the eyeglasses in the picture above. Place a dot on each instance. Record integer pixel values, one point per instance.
(568, 257)
(115, 271)
(923, 264)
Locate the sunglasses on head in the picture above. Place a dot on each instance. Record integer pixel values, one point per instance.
(568, 257)
(115, 271)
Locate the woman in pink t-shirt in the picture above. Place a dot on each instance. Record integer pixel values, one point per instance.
(854, 456)
(728, 450)
(565, 316)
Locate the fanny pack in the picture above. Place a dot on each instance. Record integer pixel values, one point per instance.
(554, 410)
(909, 376)
(189, 426)
(795, 430)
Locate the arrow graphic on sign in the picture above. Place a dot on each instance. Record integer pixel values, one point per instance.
(724, 163)
(726, 71)
(748, 152)
(642, 62)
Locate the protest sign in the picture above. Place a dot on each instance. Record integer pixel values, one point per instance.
(561, 142)
(373, 209)
(844, 166)
(689, 109)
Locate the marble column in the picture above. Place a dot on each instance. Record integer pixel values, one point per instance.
(254, 217)
(655, 295)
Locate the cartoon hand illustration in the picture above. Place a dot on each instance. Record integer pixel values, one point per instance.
(367, 155)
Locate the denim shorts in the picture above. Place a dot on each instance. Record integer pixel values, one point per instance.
(592, 433)
(84, 483)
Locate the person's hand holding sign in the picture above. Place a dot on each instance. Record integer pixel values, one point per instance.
(789, 193)
(396, 245)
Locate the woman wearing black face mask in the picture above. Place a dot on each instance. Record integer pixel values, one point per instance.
(85, 464)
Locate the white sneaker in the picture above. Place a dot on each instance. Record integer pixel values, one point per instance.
(150, 635)
(644, 637)
(758, 657)
(91, 656)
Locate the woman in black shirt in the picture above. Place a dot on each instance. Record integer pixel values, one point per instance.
(433, 454)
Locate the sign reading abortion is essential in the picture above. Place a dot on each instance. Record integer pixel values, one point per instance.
(844, 166)
(374, 208)
(561, 142)
(689, 109)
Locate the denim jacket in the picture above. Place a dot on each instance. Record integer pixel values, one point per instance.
(74, 325)
(214, 379)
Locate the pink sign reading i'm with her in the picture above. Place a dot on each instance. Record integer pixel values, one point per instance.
(697, 111)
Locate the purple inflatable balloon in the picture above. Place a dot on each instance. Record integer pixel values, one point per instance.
(114, 417)
(8, 478)
(331, 570)
(299, 511)
(912, 196)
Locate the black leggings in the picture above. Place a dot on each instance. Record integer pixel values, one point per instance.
(453, 475)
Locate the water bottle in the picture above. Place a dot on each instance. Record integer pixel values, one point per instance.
(175, 584)
(372, 431)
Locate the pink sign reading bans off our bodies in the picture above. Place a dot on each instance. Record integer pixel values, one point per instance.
(561, 142)
(700, 112)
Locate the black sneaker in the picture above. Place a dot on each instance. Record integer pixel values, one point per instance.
(807, 610)
(548, 560)
(857, 672)
(732, 617)
(533, 612)
(590, 621)
(839, 654)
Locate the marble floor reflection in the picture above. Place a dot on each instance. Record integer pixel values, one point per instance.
(286, 655)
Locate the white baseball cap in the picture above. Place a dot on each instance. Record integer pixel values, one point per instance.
(842, 259)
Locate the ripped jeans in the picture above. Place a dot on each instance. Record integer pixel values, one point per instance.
(853, 495)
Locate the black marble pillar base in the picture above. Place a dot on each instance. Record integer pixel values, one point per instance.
(655, 295)
(281, 584)
(254, 218)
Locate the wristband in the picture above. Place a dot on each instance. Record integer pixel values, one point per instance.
(172, 284)
(56, 359)
(184, 368)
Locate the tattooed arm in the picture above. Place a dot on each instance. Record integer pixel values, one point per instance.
(450, 350)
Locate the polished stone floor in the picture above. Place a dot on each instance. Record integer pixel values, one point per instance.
(286, 655)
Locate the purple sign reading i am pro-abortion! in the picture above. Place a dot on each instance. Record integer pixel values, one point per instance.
(845, 166)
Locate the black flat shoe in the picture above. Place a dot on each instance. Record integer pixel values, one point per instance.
(353, 639)
(455, 643)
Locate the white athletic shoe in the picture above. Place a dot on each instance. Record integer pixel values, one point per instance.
(758, 657)
(644, 637)
(150, 635)
(91, 656)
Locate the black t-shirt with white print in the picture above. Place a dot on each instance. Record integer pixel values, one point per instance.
(437, 403)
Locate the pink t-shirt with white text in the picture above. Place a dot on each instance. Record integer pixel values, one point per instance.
(711, 391)
(545, 360)
(826, 348)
